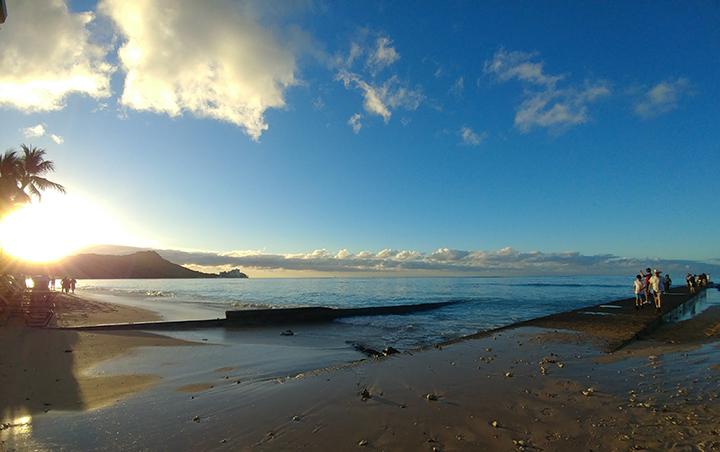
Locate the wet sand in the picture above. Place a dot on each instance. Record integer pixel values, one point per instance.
(548, 384)
(45, 368)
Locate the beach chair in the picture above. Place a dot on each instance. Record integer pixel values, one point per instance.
(4, 309)
(11, 297)
(39, 307)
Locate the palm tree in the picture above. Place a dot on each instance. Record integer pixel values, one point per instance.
(21, 177)
(9, 181)
(33, 166)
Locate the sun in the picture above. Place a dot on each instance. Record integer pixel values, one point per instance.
(59, 225)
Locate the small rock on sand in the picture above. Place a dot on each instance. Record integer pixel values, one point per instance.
(365, 394)
(390, 351)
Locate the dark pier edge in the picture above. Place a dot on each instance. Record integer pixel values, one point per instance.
(267, 317)
(318, 314)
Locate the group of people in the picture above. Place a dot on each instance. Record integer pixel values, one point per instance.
(66, 284)
(649, 283)
(19, 284)
(695, 281)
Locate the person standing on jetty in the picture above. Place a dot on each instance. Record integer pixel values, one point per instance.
(639, 288)
(657, 287)
(667, 282)
(65, 285)
(646, 275)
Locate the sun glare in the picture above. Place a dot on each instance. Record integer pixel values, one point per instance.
(57, 226)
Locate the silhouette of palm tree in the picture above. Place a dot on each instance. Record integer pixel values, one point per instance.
(9, 180)
(21, 177)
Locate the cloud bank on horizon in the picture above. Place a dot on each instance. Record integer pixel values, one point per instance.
(443, 262)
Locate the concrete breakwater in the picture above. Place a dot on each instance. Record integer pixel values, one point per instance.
(320, 314)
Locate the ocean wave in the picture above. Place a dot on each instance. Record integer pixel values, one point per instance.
(160, 294)
(574, 285)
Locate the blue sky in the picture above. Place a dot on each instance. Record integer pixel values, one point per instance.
(378, 137)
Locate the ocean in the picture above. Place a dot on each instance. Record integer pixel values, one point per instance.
(482, 303)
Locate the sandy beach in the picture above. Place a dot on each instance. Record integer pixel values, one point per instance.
(537, 386)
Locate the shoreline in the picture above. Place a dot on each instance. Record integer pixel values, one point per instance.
(541, 404)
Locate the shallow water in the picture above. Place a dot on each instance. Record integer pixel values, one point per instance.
(704, 300)
(483, 303)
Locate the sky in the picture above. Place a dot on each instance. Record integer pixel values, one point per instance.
(371, 138)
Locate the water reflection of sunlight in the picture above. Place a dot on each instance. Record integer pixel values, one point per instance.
(23, 420)
(16, 427)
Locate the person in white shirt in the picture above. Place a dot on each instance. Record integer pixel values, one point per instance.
(658, 286)
(639, 288)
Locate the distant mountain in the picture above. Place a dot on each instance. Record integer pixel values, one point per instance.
(112, 250)
(139, 265)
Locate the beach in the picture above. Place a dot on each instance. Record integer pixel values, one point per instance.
(543, 384)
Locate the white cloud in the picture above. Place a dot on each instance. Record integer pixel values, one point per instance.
(446, 254)
(458, 87)
(355, 122)
(407, 256)
(343, 254)
(355, 52)
(379, 97)
(380, 100)
(507, 66)
(662, 98)
(545, 105)
(557, 109)
(318, 103)
(383, 56)
(318, 254)
(39, 131)
(470, 138)
(46, 55)
(386, 254)
(373, 103)
(181, 56)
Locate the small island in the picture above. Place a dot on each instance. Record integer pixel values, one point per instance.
(235, 273)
